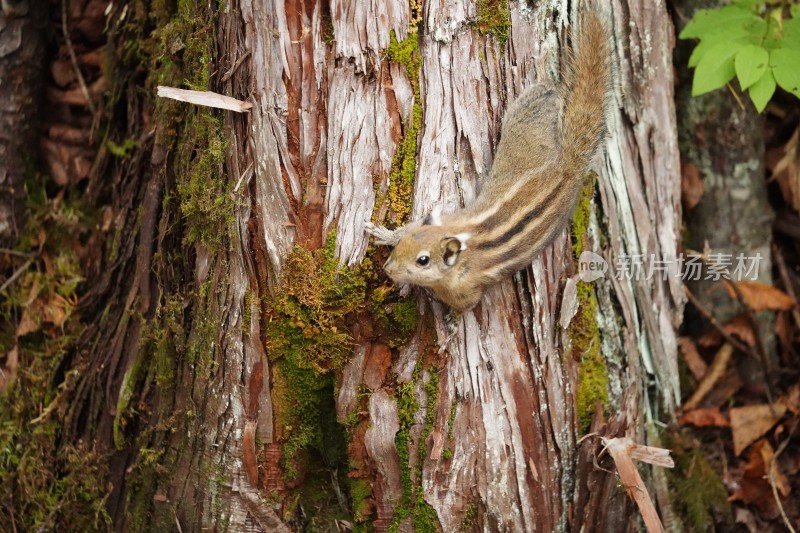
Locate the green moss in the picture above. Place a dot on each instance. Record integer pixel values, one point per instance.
(494, 18)
(123, 150)
(404, 164)
(204, 193)
(306, 339)
(700, 494)
(585, 338)
(196, 207)
(306, 318)
(45, 483)
(299, 394)
(129, 383)
(470, 518)
(397, 316)
(412, 503)
(583, 331)
(182, 51)
(360, 494)
(582, 215)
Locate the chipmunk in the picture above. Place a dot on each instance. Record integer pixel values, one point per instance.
(548, 138)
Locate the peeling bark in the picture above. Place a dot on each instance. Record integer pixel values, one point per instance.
(512, 436)
(175, 380)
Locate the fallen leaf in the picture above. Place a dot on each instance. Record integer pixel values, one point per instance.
(761, 296)
(745, 516)
(792, 399)
(738, 326)
(704, 417)
(27, 324)
(56, 310)
(692, 357)
(8, 369)
(754, 486)
(715, 372)
(750, 422)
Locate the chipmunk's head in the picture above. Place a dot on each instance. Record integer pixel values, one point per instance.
(426, 256)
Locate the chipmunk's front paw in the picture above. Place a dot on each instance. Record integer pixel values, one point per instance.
(381, 235)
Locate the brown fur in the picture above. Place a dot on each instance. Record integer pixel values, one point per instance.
(549, 136)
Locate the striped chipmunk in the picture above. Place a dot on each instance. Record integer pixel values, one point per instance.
(550, 135)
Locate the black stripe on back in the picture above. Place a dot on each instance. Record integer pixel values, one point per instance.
(519, 226)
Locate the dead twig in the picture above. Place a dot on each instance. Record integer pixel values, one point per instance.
(714, 373)
(235, 66)
(16, 253)
(772, 474)
(624, 451)
(787, 282)
(21, 270)
(715, 323)
(761, 350)
(74, 59)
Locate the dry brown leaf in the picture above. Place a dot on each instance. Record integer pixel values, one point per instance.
(754, 487)
(56, 310)
(8, 369)
(692, 187)
(714, 374)
(692, 357)
(792, 399)
(27, 324)
(750, 422)
(704, 417)
(787, 171)
(741, 327)
(622, 451)
(761, 296)
(738, 326)
(745, 516)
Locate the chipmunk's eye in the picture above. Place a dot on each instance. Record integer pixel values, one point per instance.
(423, 260)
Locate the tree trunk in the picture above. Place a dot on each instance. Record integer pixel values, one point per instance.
(21, 73)
(239, 311)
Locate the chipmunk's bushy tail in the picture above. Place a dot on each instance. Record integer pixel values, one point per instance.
(586, 94)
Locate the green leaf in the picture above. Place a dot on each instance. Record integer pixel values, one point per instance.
(786, 69)
(761, 91)
(706, 21)
(795, 11)
(751, 62)
(716, 68)
(791, 34)
(730, 35)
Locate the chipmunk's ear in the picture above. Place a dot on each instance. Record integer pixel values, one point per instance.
(452, 247)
